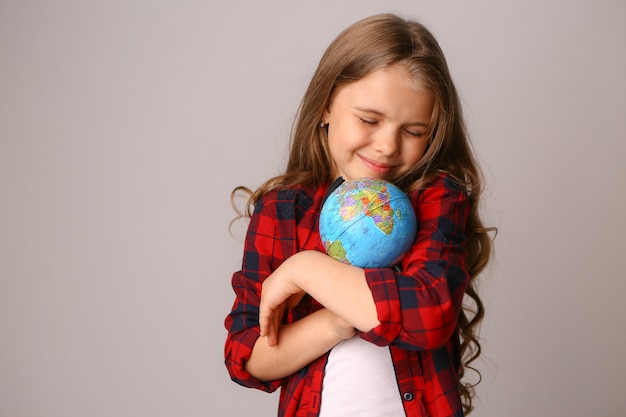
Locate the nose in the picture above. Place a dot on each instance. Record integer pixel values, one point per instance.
(386, 142)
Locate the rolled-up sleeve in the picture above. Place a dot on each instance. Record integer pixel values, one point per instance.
(418, 308)
(262, 250)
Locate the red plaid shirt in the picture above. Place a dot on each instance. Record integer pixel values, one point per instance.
(417, 307)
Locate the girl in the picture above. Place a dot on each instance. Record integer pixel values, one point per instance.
(337, 339)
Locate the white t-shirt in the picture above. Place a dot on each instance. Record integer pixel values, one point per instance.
(359, 380)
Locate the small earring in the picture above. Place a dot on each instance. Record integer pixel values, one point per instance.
(322, 124)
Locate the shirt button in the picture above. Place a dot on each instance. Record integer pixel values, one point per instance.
(407, 396)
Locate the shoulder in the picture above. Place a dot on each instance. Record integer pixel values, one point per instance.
(441, 188)
(442, 208)
(291, 202)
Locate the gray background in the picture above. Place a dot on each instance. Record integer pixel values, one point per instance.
(124, 125)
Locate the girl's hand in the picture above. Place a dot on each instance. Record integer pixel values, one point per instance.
(279, 292)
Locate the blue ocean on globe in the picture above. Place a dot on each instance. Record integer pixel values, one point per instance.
(368, 223)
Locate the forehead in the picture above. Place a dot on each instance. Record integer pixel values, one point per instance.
(391, 90)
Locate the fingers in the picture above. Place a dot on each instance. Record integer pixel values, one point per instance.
(270, 321)
(277, 294)
(265, 318)
(272, 336)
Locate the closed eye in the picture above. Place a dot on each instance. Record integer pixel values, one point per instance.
(417, 134)
(368, 121)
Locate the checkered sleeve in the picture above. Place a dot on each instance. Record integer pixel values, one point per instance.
(418, 307)
(262, 254)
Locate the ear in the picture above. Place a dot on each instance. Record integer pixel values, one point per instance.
(326, 115)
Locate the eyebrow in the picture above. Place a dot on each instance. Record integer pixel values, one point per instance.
(379, 113)
(366, 110)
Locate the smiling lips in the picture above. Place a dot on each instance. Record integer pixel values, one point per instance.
(378, 167)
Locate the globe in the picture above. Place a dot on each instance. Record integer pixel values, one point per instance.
(368, 223)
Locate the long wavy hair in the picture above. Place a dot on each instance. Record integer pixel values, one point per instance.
(368, 45)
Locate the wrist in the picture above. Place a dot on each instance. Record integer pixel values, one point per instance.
(298, 267)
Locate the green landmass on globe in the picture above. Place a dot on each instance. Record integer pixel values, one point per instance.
(337, 251)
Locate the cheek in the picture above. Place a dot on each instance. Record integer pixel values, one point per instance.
(415, 152)
(342, 138)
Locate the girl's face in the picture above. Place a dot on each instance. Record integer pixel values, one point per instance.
(377, 126)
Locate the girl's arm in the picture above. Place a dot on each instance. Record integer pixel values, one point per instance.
(300, 343)
(341, 288)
